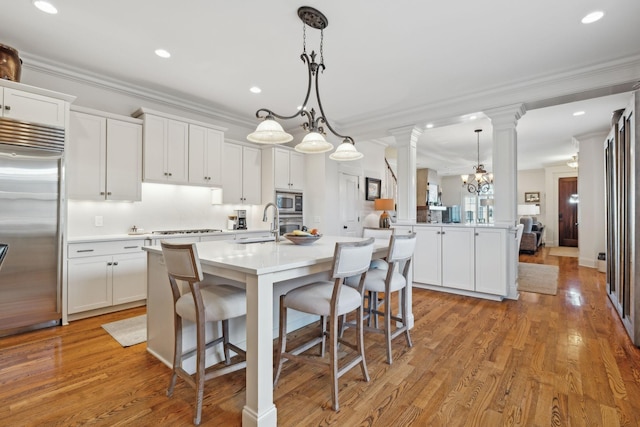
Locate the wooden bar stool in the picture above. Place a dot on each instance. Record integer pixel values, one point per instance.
(202, 304)
(330, 300)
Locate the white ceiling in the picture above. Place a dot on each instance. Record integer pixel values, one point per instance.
(389, 64)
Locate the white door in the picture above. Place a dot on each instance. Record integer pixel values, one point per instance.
(349, 200)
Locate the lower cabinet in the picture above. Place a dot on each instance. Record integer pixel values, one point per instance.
(105, 274)
(461, 258)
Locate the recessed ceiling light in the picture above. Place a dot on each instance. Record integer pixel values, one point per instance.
(473, 117)
(45, 6)
(429, 125)
(163, 53)
(255, 89)
(593, 17)
(578, 113)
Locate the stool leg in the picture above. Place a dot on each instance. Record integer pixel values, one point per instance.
(225, 341)
(323, 332)
(333, 362)
(177, 352)
(360, 344)
(405, 316)
(282, 340)
(387, 324)
(200, 365)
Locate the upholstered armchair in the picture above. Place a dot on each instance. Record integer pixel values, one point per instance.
(531, 235)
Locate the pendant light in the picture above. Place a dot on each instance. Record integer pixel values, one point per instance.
(271, 132)
(480, 181)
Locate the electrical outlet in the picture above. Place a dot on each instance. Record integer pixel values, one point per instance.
(98, 221)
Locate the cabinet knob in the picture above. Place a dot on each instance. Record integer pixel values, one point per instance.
(108, 193)
(115, 263)
(102, 193)
(109, 263)
(7, 107)
(477, 234)
(170, 174)
(442, 232)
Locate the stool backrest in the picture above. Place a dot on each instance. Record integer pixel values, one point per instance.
(378, 233)
(401, 250)
(352, 258)
(182, 261)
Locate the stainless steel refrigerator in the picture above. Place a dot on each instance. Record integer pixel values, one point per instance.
(31, 183)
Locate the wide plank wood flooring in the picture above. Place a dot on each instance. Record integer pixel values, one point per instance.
(542, 360)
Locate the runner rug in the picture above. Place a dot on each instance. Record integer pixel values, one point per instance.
(538, 278)
(129, 331)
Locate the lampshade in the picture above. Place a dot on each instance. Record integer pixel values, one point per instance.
(383, 204)
(345, 152)
(269, 132)
(314, 143)
(526, 210)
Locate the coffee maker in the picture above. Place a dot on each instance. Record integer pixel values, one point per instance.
(241, 219)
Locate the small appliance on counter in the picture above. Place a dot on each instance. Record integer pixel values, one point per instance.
(241, 219)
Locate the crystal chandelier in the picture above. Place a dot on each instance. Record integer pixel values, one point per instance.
(480, 182)
(269, 131)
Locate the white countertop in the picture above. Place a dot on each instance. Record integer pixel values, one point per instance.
(149, 235)
(268, 257)
(452, 224)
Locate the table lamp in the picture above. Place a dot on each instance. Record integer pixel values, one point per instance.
(384, 205)
(528, 210)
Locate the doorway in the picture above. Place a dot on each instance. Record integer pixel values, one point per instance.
(349, 201)
(568, 212)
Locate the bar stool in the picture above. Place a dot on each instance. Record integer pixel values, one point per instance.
(379, 281)
(377, 233)
(204, 303)
(332, 300)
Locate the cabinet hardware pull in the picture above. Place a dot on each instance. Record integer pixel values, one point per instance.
(442, 232)
(102, 193)
(170, 174)
(109, 263)
(115, 263)
(84, 250)
(130, 247)
(7, 107)
(108, 193)
(477, 234)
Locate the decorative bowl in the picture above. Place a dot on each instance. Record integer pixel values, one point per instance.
(302, 240)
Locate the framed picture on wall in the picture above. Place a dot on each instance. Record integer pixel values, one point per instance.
(532, 197)
(372, 188)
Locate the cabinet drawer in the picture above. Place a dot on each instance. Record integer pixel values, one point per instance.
(79, 250)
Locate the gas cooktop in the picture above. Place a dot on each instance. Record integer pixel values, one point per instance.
(194, 231)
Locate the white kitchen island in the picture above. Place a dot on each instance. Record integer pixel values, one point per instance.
(263, 268)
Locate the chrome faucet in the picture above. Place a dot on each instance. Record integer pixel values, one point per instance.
(276, 219)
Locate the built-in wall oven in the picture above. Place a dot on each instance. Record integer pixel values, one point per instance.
(289, 223)
(289, 203)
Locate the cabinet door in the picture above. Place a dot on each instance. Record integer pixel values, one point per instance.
(89, 283)
(296, 171)
(85, 157)
(427, 258)
(457, 258)
(491, 261)
(33, 108)
(155, 130)
(177, 154)
(129, 278)
(205, 155)
(281, 169)
(232, 174)
(251, 175)
(124, 160)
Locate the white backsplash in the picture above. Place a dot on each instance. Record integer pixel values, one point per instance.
(163, 207)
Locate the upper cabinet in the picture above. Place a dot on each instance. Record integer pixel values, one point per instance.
(181, 151)
(241, 173)
(104, 156)
(282, 170)
(32, 107)
(165, 150)
(205, 155)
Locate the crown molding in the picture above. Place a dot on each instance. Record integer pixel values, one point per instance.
(64, 71)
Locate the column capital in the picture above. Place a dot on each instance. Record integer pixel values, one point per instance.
(406, 135)
(505, 117)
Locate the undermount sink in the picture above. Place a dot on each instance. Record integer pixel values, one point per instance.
(261, 239)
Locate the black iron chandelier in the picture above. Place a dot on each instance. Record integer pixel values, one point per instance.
(269, 131)
(480, 182)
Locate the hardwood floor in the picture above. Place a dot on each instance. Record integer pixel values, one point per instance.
(542, 360)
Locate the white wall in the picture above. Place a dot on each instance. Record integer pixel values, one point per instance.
(533, 180)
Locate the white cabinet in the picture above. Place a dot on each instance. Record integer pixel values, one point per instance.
(288, 170)
(241, 174)
(165, 150)
(444, 256)
(104, 157)
(32, 107)
(205, 155)
(491, 260)
(105, 274)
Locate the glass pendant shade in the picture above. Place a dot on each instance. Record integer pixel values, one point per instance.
(314, 143)
(464, 178)
(346, 152)
(269, 132)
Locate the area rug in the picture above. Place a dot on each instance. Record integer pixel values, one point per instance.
(564, 251)
(129, 331)
(538, 278)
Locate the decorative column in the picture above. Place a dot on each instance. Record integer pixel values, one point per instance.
(406, 141)
(505, 180)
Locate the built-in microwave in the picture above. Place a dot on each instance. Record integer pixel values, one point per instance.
(289, 203)
(289, 224)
